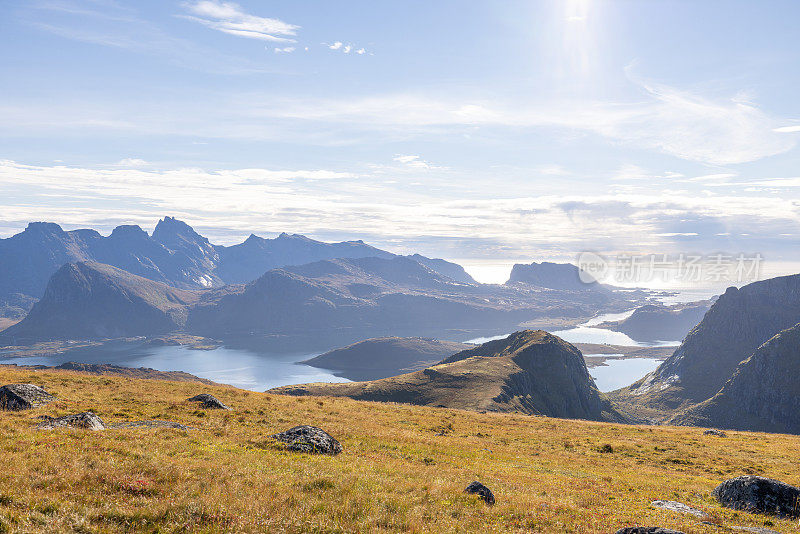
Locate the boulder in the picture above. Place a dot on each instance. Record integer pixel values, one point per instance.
(759, 495)
(87, 420)
(23, 397)
(715, 432)
(476, 488)
(647, 530)
(209, 401)
(309, 439)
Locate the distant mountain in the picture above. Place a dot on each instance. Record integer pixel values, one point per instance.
(175, 254)
(92, 300)
(735, 325)
(562, 276)
(451, 270)
(657, 322)
(341, 301)
(762, 395)
(366, 295)
(385, 356)
(256, 255)
(531, 372)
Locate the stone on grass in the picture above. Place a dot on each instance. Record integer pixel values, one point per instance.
(152, 424)
(86, 420)
(678, 507)
(759, 495)
(208, 401)
(715, 432)
(16, 397)
(476, 488)
(309, 439)
(647, 530)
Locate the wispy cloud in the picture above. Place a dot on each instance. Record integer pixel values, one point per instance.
(229, 18)
(107, 24)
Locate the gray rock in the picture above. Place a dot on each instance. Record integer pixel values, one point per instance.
(87, 420)
(647, 530)
(16, 397)
(476, 488)
(679, 507)
(757, 530)
(309, 439)
(152, 424)
(759, 495)
(208, 401)
(715, 432)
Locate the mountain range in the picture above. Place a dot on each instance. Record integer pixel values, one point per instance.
(174, 254)
(353, 298)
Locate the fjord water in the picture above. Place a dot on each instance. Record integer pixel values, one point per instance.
(259, 369)
(247, 369)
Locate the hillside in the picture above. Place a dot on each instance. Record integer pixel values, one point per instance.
(403, 468)
(93, 300)
(657, 322)
(737, 323)
(386, 356)
(763, 394)
(530, 372)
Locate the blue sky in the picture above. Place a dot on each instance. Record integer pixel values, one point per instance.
(477, 131)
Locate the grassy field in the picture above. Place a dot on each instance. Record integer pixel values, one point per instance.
(403, 468)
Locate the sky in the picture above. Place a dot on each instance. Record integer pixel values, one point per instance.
(484, 132)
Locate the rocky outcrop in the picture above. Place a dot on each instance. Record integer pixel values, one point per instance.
(16, 397)
(530, 372)
(762, 395)
(85, 420)
(759, 495)
(309, 439)
(733, 328)
(476, 488)
(208, 401)
(715, 432)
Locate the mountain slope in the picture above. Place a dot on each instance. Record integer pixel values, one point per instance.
(386, 356)
(737, 323)
(93, 300)
(762, 395)
(530, 372)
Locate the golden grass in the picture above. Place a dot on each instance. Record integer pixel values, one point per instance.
(395, 474)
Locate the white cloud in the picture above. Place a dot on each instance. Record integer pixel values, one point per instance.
(229, 18)
(361, 51)
(787, 129)
(335, 46)
(132, 162)
(347, 49)
(235, 202)
(285, 50)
